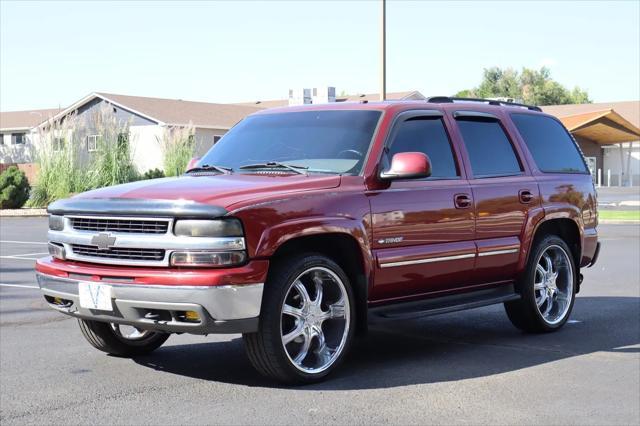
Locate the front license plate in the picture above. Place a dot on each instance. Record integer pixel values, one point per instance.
(95, 296)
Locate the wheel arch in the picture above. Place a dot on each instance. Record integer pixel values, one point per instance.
(564, 227)
(344, 249)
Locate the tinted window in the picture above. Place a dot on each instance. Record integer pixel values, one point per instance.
(549, 143)
(427, 135)
(323, 141)
(489, 149)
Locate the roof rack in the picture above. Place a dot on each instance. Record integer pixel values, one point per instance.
(451, 99)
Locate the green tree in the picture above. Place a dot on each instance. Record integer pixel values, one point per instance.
(530, 86)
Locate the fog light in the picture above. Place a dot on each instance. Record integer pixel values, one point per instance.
(191, 316)
(56, 251)
(211, 259)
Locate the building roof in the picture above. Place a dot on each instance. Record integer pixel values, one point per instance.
(603, 123)
(604, 127)
(179, 112)
(630, 110)
(25, 120)
(277, 103)
(170, 112)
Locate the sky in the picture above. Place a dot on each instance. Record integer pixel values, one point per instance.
(53, 53)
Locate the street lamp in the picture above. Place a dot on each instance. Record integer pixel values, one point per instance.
(383, 51)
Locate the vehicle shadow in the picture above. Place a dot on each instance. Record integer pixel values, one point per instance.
(456, 346)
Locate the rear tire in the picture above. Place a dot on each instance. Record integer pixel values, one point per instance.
(307, 321)
(548, 288)
(108, 338)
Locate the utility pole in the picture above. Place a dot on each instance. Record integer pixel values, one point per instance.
(383, 51)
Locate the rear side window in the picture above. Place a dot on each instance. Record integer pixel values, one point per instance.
(426, 135)
(489, 149)
(549, 143)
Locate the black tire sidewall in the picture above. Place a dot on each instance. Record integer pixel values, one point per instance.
(278, 286)
(103, 337)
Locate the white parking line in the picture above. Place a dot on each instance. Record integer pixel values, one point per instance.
(30, 254)
(20, 258)
(22, 242)
(18, 285)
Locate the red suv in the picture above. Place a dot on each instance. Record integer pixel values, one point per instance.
(303, 224)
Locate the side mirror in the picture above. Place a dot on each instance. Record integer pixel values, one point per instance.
(192, 163)
(408, 165)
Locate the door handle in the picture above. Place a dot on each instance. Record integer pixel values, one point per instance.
(525, 196)
(462, 201)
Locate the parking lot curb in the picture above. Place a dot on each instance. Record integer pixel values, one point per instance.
(618, 222)
(23, 212)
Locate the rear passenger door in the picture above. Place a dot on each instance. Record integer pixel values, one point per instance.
(423, 235)
(503, 191)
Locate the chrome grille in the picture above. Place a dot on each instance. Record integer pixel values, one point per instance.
(119, 253)
(134, 226)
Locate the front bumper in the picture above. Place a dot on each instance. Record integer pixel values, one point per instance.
(222, 309)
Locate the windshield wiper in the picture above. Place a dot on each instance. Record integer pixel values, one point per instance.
(211, 167)
(277, 165)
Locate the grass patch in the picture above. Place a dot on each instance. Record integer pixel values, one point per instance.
(619, 214)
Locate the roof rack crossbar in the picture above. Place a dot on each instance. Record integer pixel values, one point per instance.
(451, 99)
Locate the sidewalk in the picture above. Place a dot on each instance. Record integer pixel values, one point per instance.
(619, 198)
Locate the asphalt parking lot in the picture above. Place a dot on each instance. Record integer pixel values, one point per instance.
(464, 368)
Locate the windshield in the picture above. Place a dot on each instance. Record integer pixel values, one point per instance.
(320, 141)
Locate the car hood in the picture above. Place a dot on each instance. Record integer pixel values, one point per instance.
(219, 190)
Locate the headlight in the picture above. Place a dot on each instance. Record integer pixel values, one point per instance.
(209, 259)
(208, 228)
(56, 223)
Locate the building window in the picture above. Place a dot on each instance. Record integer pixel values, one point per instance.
(216, 138)
(123, 140)
(19, 138)
(92, 142)
(58, 144)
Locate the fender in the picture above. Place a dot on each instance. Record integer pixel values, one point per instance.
(275, 236)
(542, 215)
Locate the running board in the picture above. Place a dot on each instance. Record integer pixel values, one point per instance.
(444, 304)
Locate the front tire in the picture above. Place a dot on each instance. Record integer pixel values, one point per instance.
(548, 288)
(124, 341)
(307, 321)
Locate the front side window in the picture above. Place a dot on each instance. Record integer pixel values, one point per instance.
(552, 148)
(322, 141)
(489, 149)
(426, 135)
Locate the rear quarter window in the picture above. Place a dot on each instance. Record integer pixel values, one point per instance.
(551, 146)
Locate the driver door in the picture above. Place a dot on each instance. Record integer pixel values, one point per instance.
(423, 230)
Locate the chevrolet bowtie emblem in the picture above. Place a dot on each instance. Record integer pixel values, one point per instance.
(103, 241)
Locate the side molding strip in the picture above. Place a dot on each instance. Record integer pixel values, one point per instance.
(429, 260)
(495, 252)
(447, 258)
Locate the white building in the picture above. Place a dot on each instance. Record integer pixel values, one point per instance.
(148, 119)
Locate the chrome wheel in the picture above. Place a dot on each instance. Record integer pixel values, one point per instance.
(315, 320)
(128, 332)
(553, 284)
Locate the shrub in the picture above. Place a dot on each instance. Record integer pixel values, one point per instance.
(112, 163)
(60, 173)
(178, 146)
(153, 174)
(14, 188)
(58, 154)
